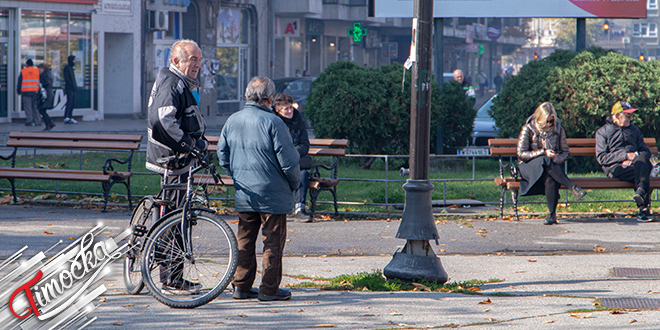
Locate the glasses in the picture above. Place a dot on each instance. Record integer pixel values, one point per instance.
(628, 115)
(551, 122)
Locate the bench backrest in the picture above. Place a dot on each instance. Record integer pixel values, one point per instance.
(74, 141)
(317, 147)
(576, 147)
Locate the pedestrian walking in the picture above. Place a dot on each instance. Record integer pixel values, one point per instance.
(256, 150)
(176, 125)
(483, 83)
(621, 151)
(45, 104)
(498, 81)
(542, 147)
(28, 88)
(283, 106)
(70, 88)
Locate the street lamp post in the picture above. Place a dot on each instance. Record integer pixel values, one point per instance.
(417, 261)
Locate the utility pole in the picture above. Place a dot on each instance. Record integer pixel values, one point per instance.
(417, 261)
(580, 34)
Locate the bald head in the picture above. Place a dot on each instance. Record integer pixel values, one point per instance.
(458, 76)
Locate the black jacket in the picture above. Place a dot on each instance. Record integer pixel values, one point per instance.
(174, 118)
(613, 142)
(46, 80)
(69, 76)
(298, 131)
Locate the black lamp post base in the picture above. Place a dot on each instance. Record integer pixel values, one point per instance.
(412, 267)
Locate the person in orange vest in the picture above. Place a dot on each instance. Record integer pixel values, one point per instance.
(28, 88)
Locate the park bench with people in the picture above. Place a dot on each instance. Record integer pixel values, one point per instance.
(107, 175)
(322, 176)
(509, 179)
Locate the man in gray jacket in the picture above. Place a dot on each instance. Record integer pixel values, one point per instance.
(256, 150)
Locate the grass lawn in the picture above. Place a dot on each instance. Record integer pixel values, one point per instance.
(347, 191)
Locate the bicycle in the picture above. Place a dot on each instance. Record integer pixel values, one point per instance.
(188, 256)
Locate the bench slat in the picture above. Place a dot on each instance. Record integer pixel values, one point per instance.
(207, 179)
(586, 183)
(326, 152)
(73, 144)
(67, 175)
(582, 142)
(340, 143)
(76, 137)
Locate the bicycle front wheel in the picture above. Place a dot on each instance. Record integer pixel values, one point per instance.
(189, 278)
(144, 216)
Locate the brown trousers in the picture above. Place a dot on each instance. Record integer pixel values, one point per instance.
(273, 231)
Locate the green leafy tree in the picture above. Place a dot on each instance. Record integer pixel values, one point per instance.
(371, 108)
(566, 30)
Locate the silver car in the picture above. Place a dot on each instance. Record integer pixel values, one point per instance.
(484, 126)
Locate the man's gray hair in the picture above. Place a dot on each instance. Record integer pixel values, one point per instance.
(179, 52)
(259, 89)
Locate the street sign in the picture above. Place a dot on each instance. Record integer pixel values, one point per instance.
(390, 49)
(642, 44)
(474, 48)
(494, 32)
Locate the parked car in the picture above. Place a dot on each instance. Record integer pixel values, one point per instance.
(297, 87)
(484, 126)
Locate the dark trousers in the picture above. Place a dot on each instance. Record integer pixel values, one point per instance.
(273, 230)
(44, 113)
(171, 269)
(70, 102)
(301, 193)
(554, 177)
(637, 173)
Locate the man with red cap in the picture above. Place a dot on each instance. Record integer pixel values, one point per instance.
(621, 151)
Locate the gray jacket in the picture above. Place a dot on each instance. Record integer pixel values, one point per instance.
(256, 150)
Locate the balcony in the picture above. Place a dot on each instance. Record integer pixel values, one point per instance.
(298, 7)
(345, 10)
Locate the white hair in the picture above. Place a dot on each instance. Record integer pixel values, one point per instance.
(179, 52)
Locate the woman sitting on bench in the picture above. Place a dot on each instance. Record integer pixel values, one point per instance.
(541, 148)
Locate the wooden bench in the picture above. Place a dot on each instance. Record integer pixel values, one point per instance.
(73, 141)
(577, 147)
(333, 148)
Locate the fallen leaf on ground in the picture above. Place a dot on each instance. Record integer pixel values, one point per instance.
(421, 287)
(485, 302)
(580, 316)
(48, 233)
(474, 289)
(127, 305)
(549, 321)
(532, 260)
(491, 319)
(618, 312)
(119, 324)
(632, 321)
(322, 325)
(392, 312)
(242, 315)
(102, 300)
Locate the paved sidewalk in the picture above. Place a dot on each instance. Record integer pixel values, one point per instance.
(546, 272)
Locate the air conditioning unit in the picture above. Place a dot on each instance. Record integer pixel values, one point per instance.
(159, 20)
(625, 40)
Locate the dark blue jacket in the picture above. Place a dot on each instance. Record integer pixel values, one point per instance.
(256, 150)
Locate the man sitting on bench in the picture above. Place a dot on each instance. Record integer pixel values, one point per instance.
(621, 151)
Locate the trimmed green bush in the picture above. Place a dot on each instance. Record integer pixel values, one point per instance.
(371, 108)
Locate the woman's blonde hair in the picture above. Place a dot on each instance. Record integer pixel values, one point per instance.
(543, 112)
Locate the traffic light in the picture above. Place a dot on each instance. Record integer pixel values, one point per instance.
(606, 27)
(536, 56)
(641, 57)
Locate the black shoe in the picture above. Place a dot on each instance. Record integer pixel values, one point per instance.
(551, 219)
(250, 294)
(182, 285)
(282, 294)
(48, 128)
(639, 197)
(644, 215)
(27, 123)
(578, 192)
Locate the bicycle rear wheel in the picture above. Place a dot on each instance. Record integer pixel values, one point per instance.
(144, 216)
(189, 279)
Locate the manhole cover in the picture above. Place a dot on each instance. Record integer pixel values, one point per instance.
(636, 272)
(631, 303)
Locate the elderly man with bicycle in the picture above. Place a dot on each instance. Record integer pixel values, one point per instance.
(256, 150)
(176, 126)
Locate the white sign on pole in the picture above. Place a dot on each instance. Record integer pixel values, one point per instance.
(517, 8)
(287, 27)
